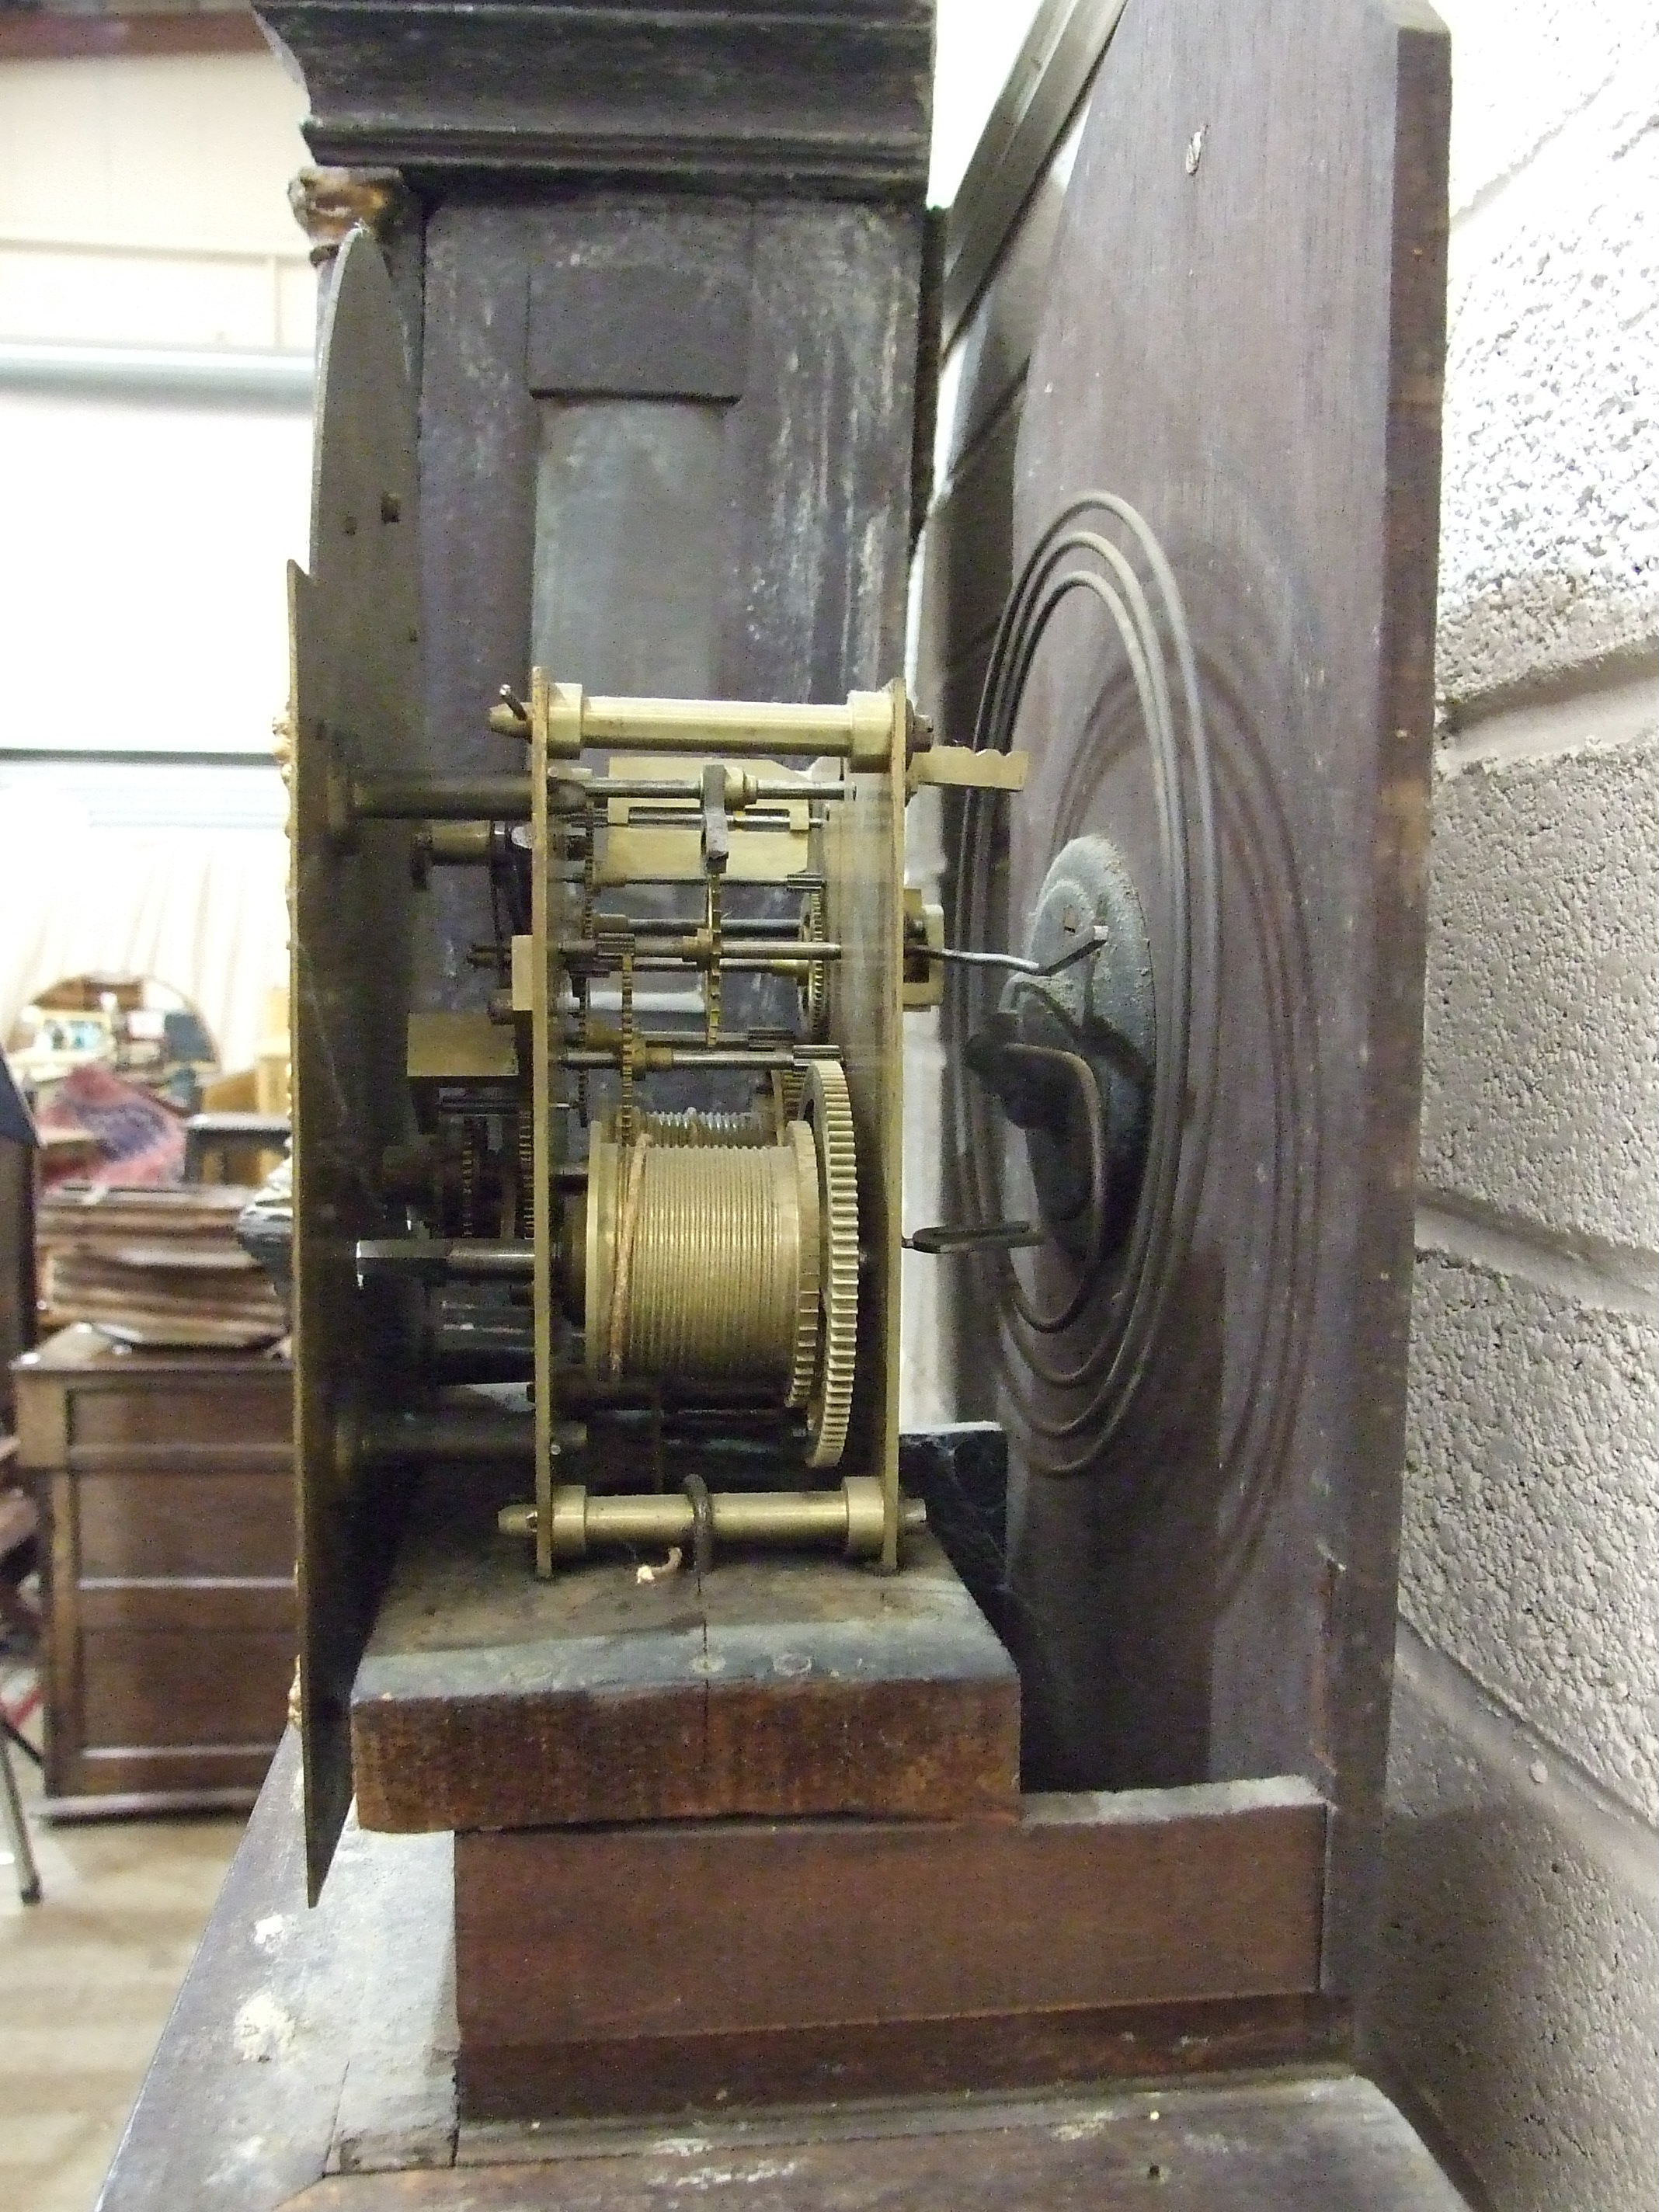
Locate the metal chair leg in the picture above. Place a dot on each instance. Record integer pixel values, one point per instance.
(28, 1875)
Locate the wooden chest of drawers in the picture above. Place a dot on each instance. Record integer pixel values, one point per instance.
(166, 1491)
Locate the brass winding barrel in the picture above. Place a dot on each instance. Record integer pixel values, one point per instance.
(703, 1261)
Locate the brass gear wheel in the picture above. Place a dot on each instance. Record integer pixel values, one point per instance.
(804, 1366)
(828, 1109)
(815, 991)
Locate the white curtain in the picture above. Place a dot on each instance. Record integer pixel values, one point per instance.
(142, 608)
(201, 906)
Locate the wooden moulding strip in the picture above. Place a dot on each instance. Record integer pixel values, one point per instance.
(1046, 86)
(183, 1459)
(698, 1929)
(881, 2061)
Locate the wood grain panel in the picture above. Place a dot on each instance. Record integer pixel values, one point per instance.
(827, 2067)
(1329, 2145)
(821, 485)
(639, 332)
(127, 1783)
(696, 94)
(163, 1524)
(167, 1572)
(230, 1412)
(178, 1687)
(698, 1929)
(17, 1291)
(1243, 336)
(202, 1605)
(349, 1984)
(181, 1459)
(60, 1573)
(992, 351)
(367, 2075)
(968, 572)
(42, 1418)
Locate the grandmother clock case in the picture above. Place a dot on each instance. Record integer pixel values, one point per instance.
(660, 278)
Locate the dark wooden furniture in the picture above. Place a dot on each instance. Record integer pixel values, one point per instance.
(20, 1521)
(668, 1905)
(17, 1192)
(235, 1141)
(17, 1548)
(166, 1503)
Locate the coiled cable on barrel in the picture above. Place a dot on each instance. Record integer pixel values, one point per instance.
(693, 1127)
(705, 1265)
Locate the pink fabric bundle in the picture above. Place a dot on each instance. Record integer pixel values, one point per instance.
(140, 1140)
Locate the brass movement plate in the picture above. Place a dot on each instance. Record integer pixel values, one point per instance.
(355, 703)
(864, 913)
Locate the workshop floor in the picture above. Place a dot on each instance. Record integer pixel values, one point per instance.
(86, 1980)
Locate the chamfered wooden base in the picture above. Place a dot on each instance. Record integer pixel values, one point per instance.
(695, 1964)
(782, 1686)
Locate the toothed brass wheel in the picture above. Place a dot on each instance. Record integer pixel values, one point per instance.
(809, 1278)
(829, 1110)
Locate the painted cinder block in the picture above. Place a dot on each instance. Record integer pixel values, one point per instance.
(1550, 504)
(1529, 1551)
(1518, 1986)
(1540, 1081)
(1518, 1983)
(1524, 68)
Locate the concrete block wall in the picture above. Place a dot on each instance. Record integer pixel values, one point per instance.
(1517, 1999)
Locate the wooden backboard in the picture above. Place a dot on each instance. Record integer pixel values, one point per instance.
(1243, 336)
